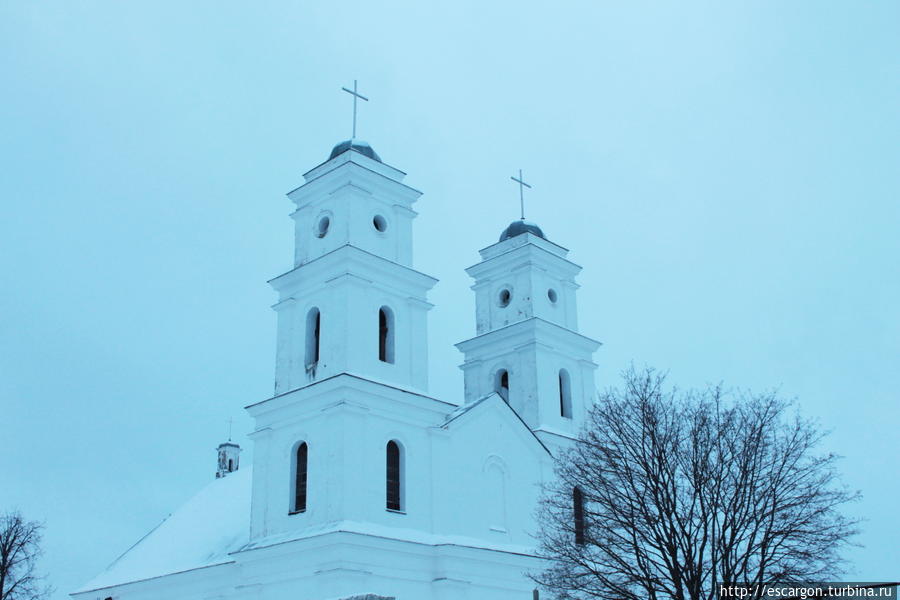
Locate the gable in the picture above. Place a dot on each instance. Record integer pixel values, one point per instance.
(492, 410)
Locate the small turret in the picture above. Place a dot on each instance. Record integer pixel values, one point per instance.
(229, 458)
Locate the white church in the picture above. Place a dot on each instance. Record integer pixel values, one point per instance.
(363, 486)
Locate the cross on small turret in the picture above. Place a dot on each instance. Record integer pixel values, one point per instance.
(355, 95)
(522, 186)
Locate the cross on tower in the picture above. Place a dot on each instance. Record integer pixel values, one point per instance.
(355, 95)
(229, 428)
(522, 186)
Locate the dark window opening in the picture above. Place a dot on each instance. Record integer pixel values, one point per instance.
(385, 335)
(565, 394)
(578, 514)
(300, 478)
(502, 385)
(504, 298)
(393, 476)
(230, 465)
(313, 338)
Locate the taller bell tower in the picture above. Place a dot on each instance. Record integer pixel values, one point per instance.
(527, 346)
(351, 355)
(353, 303)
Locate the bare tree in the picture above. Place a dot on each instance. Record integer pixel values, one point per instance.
(669, 494)
(20, 547)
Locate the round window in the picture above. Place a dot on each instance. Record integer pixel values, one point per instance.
(322, 226)
(504, 297)
(380, 223)
(551, 293)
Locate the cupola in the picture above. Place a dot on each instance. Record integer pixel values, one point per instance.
(228, 458)
(520, 226)
(356, 146)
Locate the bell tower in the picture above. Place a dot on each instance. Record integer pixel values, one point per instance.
(527, 347)
(353, 303)
(351, 358)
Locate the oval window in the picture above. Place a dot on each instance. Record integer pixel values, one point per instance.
(504, 297)
(322, 226)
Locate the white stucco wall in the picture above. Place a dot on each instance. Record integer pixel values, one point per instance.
(471, 474)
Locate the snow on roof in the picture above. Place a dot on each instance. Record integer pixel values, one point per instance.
(201, 533)
(461, 410)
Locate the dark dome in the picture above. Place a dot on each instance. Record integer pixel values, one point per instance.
(519, 227)
(358, 145)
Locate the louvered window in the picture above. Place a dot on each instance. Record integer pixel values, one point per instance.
(394, 483)
(302, 459)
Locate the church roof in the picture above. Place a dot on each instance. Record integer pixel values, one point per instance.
(201, 533)
(357, 146)
(519, 227)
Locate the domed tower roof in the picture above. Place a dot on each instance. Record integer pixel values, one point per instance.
(519, 227)
(356, 145)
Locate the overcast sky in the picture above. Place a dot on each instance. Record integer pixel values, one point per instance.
(725, 172)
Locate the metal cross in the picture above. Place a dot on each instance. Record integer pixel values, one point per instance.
(355, 95)
(522, 186)
(229, 428)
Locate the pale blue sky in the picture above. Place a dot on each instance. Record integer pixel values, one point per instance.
(726, 173)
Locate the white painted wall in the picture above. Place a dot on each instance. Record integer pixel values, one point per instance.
(471, 475)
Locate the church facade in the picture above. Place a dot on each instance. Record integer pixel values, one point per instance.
(363, 485)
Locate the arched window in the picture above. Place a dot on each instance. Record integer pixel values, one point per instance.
(385, 335)
(578, 514)
(501, 384)
(230, 465)
(300, 475)
(394, 476)
(565, 394)
(494, 504)
(313, 327)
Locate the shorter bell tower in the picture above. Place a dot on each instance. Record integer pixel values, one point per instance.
(527, 347)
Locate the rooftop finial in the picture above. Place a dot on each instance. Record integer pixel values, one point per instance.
(229, 428)
(522, 186)
(355, 95)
